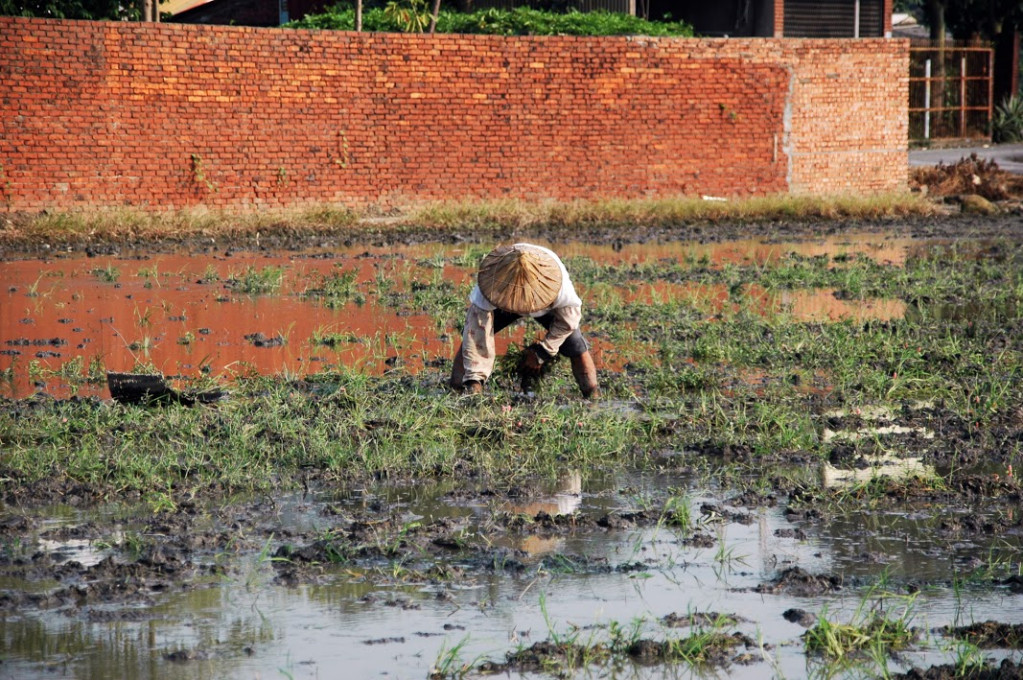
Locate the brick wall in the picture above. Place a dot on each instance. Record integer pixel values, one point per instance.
(164, 116)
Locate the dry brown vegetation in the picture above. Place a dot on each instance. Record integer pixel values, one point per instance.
(199, 225)
(968, 176)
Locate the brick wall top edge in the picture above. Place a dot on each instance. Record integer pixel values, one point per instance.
(798, 44)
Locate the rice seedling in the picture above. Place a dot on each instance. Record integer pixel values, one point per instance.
(699, 647)
(151, 276)
(333, 339)
(253, 281)
(677, 512)
(449, 664)
(209, 275)
(622, 638)
(868, 629)
(108, 274)
(968, 659)
(725, 557)
(337, 289)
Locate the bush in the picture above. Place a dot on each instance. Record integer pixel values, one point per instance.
(1007, 123)
(519, 21)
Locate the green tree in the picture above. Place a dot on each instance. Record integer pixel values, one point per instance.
(995, 21)
(986, 19)
(73, 9)
(966, 19)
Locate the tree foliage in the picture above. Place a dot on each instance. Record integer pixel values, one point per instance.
(519, 21)
(965, 19)
(984, 18)
(73, 9)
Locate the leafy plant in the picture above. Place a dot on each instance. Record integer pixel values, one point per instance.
(1007, 122)
(199, 174)
(414, 16)
(411, 16)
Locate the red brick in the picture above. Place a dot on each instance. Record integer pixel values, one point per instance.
(112, 113)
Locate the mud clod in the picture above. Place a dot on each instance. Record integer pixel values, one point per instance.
(795, 581)
(1007, 670)
(990, 635)
(800, 616)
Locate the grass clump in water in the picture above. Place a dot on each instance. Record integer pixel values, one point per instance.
(872, 635)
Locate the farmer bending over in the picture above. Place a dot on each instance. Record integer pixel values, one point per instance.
(516, 281)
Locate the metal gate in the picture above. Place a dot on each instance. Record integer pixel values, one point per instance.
(950, 93)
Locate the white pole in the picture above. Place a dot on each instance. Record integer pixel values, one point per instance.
(927, 99)
(856, 19)
(962, 97)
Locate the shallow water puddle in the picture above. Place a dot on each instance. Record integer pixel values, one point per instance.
(384, 618)
(223, 314)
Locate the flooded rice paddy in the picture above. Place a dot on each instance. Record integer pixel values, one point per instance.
(232, 313)
(803, 465)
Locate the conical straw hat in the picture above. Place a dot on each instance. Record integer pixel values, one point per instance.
(520, 279)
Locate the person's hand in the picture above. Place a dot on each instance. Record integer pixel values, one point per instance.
(531, 363)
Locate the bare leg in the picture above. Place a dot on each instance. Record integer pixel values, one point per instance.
(457, 371)
(586, 375)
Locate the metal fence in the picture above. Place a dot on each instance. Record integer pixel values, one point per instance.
(950, 93)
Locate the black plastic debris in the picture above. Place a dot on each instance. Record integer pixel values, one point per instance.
(152, 389)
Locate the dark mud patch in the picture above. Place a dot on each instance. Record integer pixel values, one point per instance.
(701, 619)
(796, 581)
(12, 244)
(136, 560)
(703, 649)
(545, 655)
(884, 492)
(714, 649)
(800, 617)
(109, 581)
(989, 634)
(1007, 670)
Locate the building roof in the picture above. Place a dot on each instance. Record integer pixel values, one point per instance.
(173, 7)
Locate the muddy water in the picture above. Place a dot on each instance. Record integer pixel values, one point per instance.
(241, 616)
(186, 315)
(344, 624)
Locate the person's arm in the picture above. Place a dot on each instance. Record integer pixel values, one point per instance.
(565, 320)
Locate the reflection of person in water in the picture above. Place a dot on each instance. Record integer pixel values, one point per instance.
(513, 282)
(566, 500)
